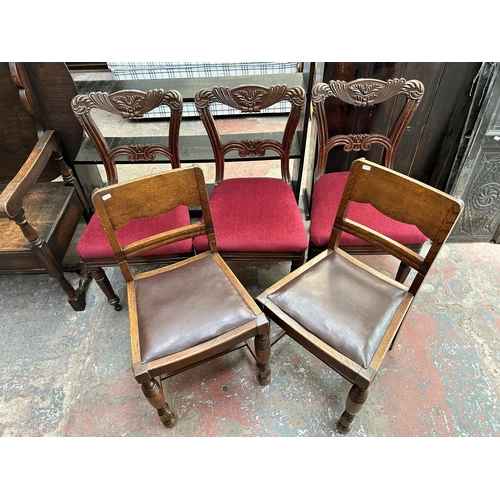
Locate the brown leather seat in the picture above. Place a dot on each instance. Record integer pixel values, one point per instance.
(344, 305)
(163, 300)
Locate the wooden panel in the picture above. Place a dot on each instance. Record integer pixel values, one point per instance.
(478, 179)
(54, 88)
(18, 134)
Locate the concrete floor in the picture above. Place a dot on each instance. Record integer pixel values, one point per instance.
(66, 373)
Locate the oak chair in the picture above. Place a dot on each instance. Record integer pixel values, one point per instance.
(255, 218)
(343, 311)
(186, 313)
(93, 247)
(41, 202)
(364, 94)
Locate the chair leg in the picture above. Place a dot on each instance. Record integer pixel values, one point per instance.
(41, 249)
(297, 262)
(156, 397)
(263, 354)
(313, 250)
(102, 280)
(354, 402)
(403, 272)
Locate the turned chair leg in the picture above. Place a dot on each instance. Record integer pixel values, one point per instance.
(102, 280)
(263, 354)
(354, 402)
(156, 397)
(297, 262)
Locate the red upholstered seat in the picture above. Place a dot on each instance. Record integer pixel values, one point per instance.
(94, 244)
(328, 191)
(257, 214)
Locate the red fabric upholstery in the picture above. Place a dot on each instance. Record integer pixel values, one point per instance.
(327, 193)
(94, 244)
(256, 214)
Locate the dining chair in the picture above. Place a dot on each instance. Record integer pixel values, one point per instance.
(186, 313)
(131, 105)
(359, 131)
(342, 310)
(255, 218)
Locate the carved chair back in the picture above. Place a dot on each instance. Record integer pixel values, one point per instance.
(402, 199)
(130, 104)
(363, 93)
(251, 99)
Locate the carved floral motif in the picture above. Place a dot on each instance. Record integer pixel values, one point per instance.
(482, 208)
(128, 103)
(250, 98)
(488, 195)
(368, 92)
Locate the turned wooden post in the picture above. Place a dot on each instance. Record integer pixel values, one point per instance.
(70, 180)
(262, 354)
(354, 402)
(102, 280)
(49, 262)
(156, 397)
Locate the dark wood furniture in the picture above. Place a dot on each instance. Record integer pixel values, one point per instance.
(197, 148)
(476, 174)
(340, 309)
(38, 213)
(376, 130)
(255, 218)
(189, 312)
(93, 246)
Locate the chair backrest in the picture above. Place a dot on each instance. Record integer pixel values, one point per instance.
(130, 104)
(34, 98)
(251, 99)
(119, 204)
(403, 199)
(364, 93)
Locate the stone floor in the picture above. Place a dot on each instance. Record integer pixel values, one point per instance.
(66, 373)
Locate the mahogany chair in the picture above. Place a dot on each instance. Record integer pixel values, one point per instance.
(186, 313)
(93, 246)
(364, 94)
(41, 202)
(255, 218)
(343, 311)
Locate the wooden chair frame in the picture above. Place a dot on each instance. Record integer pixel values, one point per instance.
(117, 205)
(252, 99)
(361, 93)
(406, 200)
(130, 104)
